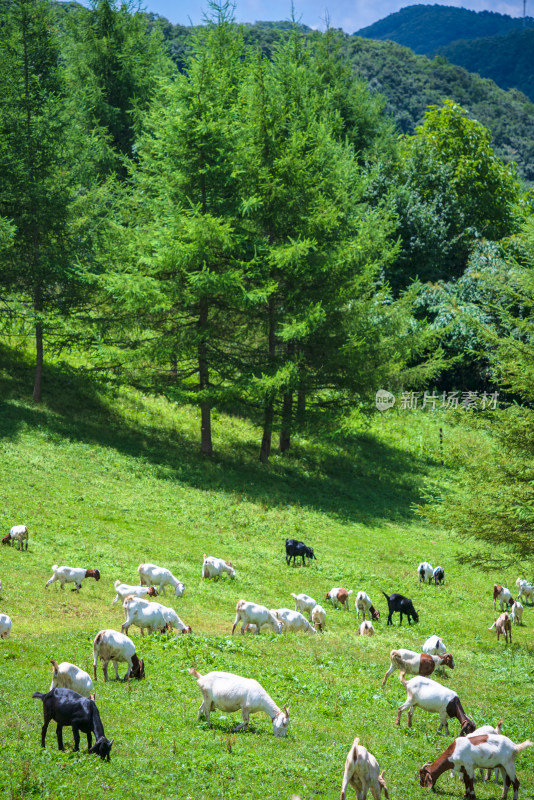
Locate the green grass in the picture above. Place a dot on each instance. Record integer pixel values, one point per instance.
(109, 480)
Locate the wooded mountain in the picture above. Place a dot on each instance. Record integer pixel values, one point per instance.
(425, 28)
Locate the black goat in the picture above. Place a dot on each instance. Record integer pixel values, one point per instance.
(68, 708)
(439, 575)
(295, 549)
(397, 602)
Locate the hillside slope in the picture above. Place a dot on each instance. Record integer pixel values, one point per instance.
(424, 28)
(110, 479)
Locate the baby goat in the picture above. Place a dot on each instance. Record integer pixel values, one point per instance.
(304, 603)
(318, 617)
(503, 625)
(363, 773)
(19, 534)
(366, 628)
(503, 595)
(292, 621)
(254, 614)
(215, 567)
(363, 603)
(72, 575)
(124, 589)
(339, 595)
(68, 708)
(425, 571)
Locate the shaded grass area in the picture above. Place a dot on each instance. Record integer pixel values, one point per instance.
(109, 480)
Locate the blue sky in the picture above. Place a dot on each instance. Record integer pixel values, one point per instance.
(350, 15)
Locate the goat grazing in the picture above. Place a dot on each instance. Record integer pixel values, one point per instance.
(152, 575)
(503, 626)
(19, 534)
(526, 589)
(144, 614)
(113, 646)
(253, 614)
(124, 589)
(72, 575)
(438, 576)
(486, 751)
(171, 617)
(479, 732)
(296, 549)
(432, 696)
(5, 626)
(434, 646)
(68, 708)
(416, 663)
(292, 621)
(517, 613)
(363, 773)
(318, 617)
(503, 595)
(363, 603)
(425, 571)
(304, 603)
(215, 567)
(397, 602)
(339, 595)
(230, 692)
(69, 676)
(366, 628)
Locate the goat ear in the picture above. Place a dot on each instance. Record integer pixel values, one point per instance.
(286, 709)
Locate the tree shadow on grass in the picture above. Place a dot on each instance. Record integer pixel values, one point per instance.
(360, 479)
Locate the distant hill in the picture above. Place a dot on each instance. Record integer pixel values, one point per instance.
(508, 59)
(426, 28)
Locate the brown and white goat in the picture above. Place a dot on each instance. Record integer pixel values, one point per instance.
(72, 575)
(465, 754)
(503, 595)
(339, 595)
(503, 625)
(432, 696)
(19, 534)
(416, 663)
(362, 771)
(363, 603)
(366, 628)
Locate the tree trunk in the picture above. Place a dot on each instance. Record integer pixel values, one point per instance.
(287, 413)
(206, 446)
(38, 381)
(301, 406)
(268, 418)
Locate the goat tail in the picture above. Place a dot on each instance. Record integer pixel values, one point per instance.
(349, 592)
(402, 679)
(40, 695)
(55, 666)
(54, 567)
(499, 725)
(295, 596)
(523, 745)
(492, 626)
(195, 672)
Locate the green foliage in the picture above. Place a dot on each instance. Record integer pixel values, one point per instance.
(424, 28)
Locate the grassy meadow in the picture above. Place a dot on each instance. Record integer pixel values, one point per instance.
(109, 479)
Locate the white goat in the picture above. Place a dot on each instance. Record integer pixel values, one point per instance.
(152, 575)
(72, 575)
(113, 646)
(517, 613)
(434, 646)
(366, 628)
(254, 614)
(526, 589)
(72, 677)
(503, 595)
(19, 534)
(467, 753)
(304, 603)
(480, 732)
(171, 617)
(416, 663)
(124, 589)
(432, 696)
(292, 621)
(363, 773)
(363, 603)
(5, 626)
(144, 614)
(318, 616)
(230, 692)
(425, 571)
(215, 567)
